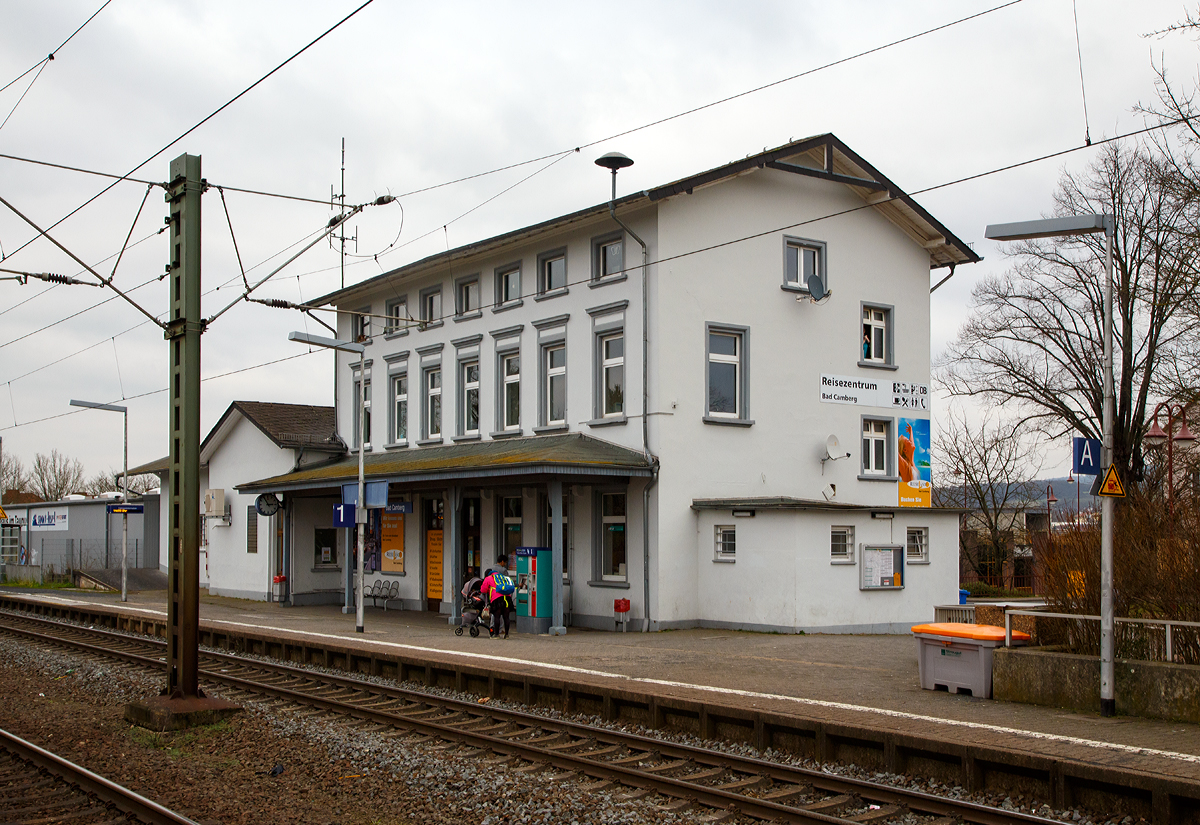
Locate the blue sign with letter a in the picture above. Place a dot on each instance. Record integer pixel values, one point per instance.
(1087, 457)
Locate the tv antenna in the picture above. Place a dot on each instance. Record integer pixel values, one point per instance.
(338, 202)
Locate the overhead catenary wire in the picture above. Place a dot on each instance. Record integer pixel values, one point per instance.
(55, 51)
(1087, 132)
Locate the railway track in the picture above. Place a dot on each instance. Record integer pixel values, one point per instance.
(722, 787)
(39, 786)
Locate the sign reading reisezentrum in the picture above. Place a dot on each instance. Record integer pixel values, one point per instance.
(871, 392)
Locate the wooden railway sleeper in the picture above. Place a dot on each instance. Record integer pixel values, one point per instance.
(879, 814)
(740, 784)
(643, 756)
(789, 792)
(701, 776)
(673, 765)
(831, 803)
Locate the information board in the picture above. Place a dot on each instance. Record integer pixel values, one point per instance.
(392, 542)
(882, 567)
(433, 556)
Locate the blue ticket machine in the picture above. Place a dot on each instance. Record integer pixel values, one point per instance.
(535, 598)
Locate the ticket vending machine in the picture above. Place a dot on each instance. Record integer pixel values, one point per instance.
(535, 597)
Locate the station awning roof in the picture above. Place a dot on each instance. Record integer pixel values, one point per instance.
(568, 454)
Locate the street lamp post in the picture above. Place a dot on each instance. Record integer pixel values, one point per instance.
(1050, 499)
(1155, 437)
(124, 411)
(360, 509)
(1062, 227)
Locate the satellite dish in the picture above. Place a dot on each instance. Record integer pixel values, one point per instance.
(816, 288)
(833, 447)
(267, 504)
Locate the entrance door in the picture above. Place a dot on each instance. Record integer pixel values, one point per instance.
(434, 556)
(470, 557)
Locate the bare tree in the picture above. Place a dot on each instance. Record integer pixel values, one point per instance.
(107, 482)
(54, 476)
(13, 476)
(1035, 334)
(986, 469)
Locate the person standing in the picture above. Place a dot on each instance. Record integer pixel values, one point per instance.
(494, 590)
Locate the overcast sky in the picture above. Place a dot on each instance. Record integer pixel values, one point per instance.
(427, 93)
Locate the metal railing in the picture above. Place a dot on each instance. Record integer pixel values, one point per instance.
(1167, 624)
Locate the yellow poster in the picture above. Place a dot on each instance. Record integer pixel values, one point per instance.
(433, 555)
(392, 560)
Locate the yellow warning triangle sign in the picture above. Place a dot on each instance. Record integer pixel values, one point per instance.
(2, 513)
(1111, 486)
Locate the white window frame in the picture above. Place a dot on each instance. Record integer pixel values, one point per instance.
(469, 388)
(600, 273)
(399, 408)
(548, 540)
(611, 363)
(397, 317)
(506, 521)
(467, 301)
(545, 260)
(605, 521)
(359, 418)
(741, 362)
(725, 542)
(431, 307)
(878, 330)
(505, 297)
(875, 431)
(921, 545)
(507, 381)
(362, 325)
(432, 392)
(549, 374)
(794, 251)
(847, 556)
(10, 542)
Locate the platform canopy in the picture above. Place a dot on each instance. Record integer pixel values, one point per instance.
(567, 454)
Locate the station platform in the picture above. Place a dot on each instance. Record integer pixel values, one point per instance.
(862, 681)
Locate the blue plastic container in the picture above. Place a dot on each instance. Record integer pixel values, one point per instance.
(962, 596)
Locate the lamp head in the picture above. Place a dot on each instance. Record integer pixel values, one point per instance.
(614, 161)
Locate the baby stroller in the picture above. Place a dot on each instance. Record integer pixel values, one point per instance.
(472, 617)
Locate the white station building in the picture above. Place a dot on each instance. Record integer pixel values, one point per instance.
(721, 386)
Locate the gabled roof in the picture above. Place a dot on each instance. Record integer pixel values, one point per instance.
(289, 426)
(822, 156)
(565, 454)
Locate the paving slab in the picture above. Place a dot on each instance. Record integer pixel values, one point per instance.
(867, 680)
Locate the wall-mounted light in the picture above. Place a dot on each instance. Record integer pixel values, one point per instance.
(883, 514)
(743, 514)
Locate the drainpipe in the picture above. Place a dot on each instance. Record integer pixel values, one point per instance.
(615, 162)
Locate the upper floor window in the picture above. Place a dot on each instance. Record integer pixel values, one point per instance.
(467, 296)
(431, 306)
(362, 325)
(510, 365)
(803, 259)
(508, 284)
(400, 409)
(362, 402)
(555, 382)
(552, 271)
(470, 397)
(875, 439)
(876, 335)
(397, 316)
(726, 377)
(433, 403)
(608, 256)
(612, 374)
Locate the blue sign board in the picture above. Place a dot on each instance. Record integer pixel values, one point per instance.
(1087, 457)
(530, 551)
(126, 508)
(399, 507)
(343, 515)
(376, 493)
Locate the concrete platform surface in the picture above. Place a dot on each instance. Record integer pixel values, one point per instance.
(858, 680)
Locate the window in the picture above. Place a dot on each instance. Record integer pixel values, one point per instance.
(510, 367)
(841, 545)
(365, 418)
(470, 398)
(431, 306)
(612, 526)
(510, 517)
(918, 545)
(361, 325)
(467, 296)
(608, 257)
(802, 260)
(548, 539)
(508, 284)
(875, 447)
(325, 547)
(612, 375)
(433, 403)
(400, 409)
(251, 529)
(552, 271)
(10, 543)
(554, 410)
(726, 379)
(397, 317)
(725, 546)
(876, 338)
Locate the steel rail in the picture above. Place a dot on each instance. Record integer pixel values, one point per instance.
(653, 748)
(92, 784)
